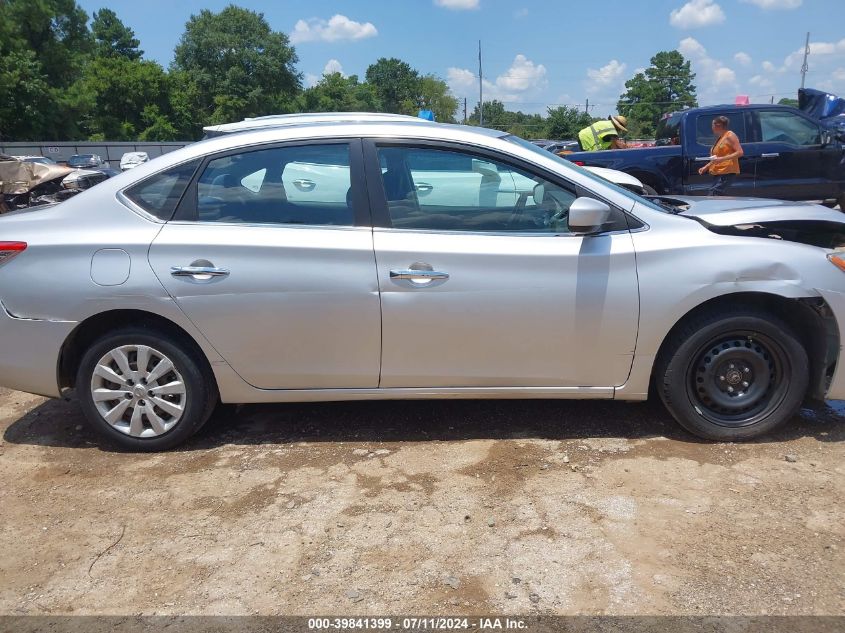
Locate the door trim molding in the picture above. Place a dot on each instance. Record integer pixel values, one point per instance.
(420, 393)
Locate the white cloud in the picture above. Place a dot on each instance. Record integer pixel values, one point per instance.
(523, 77)
(769, 67)
(457, 5)
(311, 80)
(776, 4)
(744, 59)
(691, 47)
(759, 81)
(333, 66)
(338, 27)
(697, 13)
(839, 74)
(520, 13)
(713, 77)
(817, 49)
(607, 74)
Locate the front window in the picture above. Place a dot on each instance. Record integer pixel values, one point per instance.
(786, 127)
(449, 190)
(669, 130)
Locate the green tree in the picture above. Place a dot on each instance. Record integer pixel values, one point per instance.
(118, 93)
(434, 94)
(112, 37)
(336, 93)
(231, 65)
(43, 47)
(396, 84)
(788, 102)
(498, 117)
(564, 122)
(666, 85)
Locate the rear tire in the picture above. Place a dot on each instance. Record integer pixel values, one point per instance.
(732, 375)
(143, 390)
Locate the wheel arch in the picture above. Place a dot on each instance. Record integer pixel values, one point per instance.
(92, 328)
(810, 317)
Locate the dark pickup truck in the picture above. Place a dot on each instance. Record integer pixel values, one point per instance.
(788, 155)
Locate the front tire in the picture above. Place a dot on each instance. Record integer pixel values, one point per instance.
(143, 390)
(733, 375)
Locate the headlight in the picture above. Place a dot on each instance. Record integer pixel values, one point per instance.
(838, 260)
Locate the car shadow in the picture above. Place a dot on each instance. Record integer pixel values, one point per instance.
(60, 423)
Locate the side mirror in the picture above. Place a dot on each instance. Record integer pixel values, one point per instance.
(587, 215)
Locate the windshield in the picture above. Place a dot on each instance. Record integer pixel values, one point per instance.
(80, 159)
(604, 181)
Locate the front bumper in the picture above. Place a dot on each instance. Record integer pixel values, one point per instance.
(836, 301)
(29, 353)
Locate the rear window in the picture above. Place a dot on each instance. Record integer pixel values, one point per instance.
(158, 195)
(704, 127)
(668, 130)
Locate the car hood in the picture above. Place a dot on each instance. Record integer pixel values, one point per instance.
(736, 211)
(800, 222)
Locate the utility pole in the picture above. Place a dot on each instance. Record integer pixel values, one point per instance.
(480, 89)
(465, 110)
(587, 106)
(804, 67)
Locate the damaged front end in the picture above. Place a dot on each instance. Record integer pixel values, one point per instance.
(28, 184)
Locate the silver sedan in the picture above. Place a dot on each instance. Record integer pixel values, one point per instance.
(389, 259)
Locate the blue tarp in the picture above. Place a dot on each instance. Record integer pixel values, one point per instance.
(428, 115)
(820, 105)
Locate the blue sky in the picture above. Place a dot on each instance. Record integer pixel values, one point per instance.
(542, 52)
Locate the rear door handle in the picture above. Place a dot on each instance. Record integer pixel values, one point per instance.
(418, 275)
(772, 155)
(304, 184)
(199, 273)
(424, 188)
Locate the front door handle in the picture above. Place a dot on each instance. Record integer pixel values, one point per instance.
(304, 184)
(772, 155)
(418, 275)
(200, 273)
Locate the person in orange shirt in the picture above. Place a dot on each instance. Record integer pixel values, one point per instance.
(724, 157)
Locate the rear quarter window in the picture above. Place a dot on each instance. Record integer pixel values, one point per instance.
(158, 195)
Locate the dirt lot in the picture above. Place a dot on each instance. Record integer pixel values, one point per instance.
(428, 507)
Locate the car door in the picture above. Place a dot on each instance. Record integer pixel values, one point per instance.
(489, 288)
(279, 276)
(792, 163)
(699, 148)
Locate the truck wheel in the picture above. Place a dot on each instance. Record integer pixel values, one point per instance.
(733, 375)
(144, 391)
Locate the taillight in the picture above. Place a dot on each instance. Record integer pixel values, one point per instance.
(9, 249)
(580, 163)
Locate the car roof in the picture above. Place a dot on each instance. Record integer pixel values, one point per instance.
(279, 120)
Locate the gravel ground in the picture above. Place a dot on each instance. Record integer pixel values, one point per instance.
(422, 507)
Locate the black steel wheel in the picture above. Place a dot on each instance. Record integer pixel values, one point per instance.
(733, 376)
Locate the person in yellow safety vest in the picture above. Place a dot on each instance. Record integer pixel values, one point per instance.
(604, 134)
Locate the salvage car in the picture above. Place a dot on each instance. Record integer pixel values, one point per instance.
(211, 275)
(85, 161)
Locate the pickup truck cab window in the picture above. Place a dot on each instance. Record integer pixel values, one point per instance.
(704, 130)
(785, 127)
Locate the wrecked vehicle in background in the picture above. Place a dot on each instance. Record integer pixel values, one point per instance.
(29, 184)
(132, 159)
